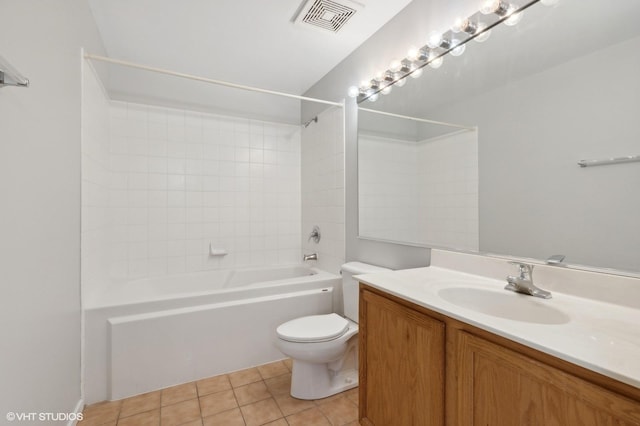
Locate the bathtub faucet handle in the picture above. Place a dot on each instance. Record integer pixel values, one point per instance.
(315, 234)
(312, 256)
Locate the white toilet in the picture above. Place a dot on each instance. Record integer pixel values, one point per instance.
(324, 348)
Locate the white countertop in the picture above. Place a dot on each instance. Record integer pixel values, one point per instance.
(603, 337)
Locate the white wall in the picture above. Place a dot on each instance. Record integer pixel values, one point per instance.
(97, 220)
(323, 196)
(40, 216)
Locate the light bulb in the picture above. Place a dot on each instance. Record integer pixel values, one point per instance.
(375, 85)
(395, 65)
(386, 90)
(389, 76)
(436, 63)
(483, 36)
(412, 54)
(373, 97)
(353, 91)
(494, 6)
(364, 84)
(416, 73)
(434, 41)
(549, 2)
(459, 24)
(459, 49)
(401, 82)
(513, 19)
(423, 54)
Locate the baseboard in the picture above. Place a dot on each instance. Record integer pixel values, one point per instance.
(78, 412)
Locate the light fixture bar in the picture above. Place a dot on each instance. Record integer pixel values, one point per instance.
(479, 24)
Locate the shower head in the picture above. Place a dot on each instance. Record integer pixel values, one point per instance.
(314, 120)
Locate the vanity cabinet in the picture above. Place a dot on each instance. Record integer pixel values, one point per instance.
(401, 364)
(419, 367)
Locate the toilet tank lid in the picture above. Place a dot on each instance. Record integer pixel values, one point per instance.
(356, 268)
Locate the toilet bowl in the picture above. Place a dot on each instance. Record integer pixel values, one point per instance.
(324, 348)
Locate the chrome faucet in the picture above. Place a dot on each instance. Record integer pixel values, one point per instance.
(524, 282)
(312, 256)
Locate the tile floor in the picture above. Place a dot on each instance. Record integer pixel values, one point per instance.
(256, 396)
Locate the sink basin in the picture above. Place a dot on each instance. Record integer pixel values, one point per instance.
(512, 306)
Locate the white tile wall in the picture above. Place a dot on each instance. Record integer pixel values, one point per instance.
(448, 176)
(424, 192)
(323, 188)
(183, 180)
(96, 220)
(388, 200)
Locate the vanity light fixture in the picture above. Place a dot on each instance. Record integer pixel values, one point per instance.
(475, 27)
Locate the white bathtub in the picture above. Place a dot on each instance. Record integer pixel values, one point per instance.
(153, 333)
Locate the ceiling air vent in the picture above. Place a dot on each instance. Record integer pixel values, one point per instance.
(326, 14)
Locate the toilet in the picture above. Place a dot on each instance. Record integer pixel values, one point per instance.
(324, 348)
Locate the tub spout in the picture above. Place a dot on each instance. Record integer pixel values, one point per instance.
(312, 256)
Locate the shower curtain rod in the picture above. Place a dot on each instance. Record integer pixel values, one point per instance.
(207, 80)
(423, 120)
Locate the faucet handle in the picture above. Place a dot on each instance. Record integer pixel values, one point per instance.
(524, 268)
(315, 234)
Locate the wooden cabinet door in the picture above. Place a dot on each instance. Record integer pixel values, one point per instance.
(401, 364)
(497, 386)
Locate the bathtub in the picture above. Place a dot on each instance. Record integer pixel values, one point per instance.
(153, 333)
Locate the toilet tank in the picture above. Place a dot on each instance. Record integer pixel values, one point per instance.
(350, 286)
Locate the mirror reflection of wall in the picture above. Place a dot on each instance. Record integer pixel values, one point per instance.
(418, 182)
(559, 87)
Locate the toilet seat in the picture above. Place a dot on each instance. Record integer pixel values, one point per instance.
(314, 328)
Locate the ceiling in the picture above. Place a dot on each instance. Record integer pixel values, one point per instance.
(250, 42)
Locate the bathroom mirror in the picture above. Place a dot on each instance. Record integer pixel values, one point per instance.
(560, 87)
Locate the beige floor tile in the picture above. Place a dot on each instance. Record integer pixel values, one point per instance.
(193, 423)
(217, 402)
(274, 369)
(288, 363)
(182, 412)
(279, 385)
(252, 392)
(140, 404)
(100, 413)
(226, 418)
(353, 423)
(289, 405)
(90, 423)
(244, 377)
(179, 393)
(261, 412)
(213, 385)
(311, 417)
(353, 395)
(149, 418)
(329, 398)
(340, 411)
(279, 422)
